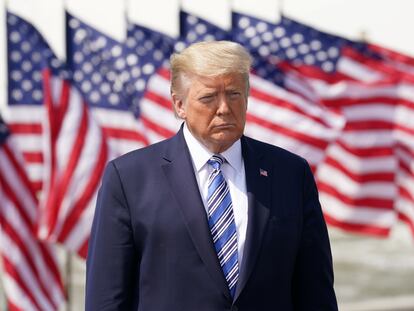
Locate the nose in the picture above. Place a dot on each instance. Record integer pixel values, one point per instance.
(223, 105)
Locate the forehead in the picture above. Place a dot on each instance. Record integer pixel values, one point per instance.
(232, 80)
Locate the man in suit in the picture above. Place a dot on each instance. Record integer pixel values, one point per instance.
(209, 220)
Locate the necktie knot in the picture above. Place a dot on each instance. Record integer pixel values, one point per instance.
(216, 161)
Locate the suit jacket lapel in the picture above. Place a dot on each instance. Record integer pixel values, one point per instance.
(258, 181)
(180, 175)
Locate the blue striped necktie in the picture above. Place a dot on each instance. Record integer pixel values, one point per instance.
(222, 224)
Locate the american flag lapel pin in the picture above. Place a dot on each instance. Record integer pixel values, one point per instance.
(263, 172)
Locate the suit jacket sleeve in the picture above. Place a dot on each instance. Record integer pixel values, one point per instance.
(313, 279)
(112, 257)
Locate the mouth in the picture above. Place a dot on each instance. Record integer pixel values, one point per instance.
(225, 126)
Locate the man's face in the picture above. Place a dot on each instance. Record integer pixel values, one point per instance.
(214, 109)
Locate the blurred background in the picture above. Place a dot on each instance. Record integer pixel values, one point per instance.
(83, 81)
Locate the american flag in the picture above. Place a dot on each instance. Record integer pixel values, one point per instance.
(344, 106)
(31, 277)
(363, 185)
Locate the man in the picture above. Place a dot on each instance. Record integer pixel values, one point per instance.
(209, 220)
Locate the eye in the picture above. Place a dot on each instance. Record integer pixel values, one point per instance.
(235, 94)
(206, 98)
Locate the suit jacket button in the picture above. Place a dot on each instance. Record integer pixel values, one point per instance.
(234, 308)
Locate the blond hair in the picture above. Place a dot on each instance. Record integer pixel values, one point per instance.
(210, 59)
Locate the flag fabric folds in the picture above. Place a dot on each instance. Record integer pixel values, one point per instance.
(347, 107)
(31, 276)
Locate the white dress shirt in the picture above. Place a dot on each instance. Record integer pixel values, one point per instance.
(234, 173)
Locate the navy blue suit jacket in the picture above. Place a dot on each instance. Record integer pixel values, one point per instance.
(151, 248)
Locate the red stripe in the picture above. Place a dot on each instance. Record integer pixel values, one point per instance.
(368, 125)
(83, 250)
(406, 103)
(55, 198)
(158, 99)
(405, 129)
(358, 228)
(37, 185)
(405, 149)
(361, 177)
(368, 202)
(408, 221)
(12, 271)
(393, 54)
(27, 255)
(164, 72)
(33, 157)
(51, 264)
(314, 72)
(19, 207)
(370, 100)
(373, 64)
(21, 173)
(52, 135)
(403, 192)
(25, 128)
(366, 152)
(63, 103)
(405, 167)
(90, 188)
(12, 307)
(278, 102)
(162, 131)
(318, 143)
(125, 134)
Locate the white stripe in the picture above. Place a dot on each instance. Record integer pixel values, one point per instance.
(357, 70)
(159, 85)
(122, 146)
(405, 157)
(310, 108)
(298, 85)
(360, 165)
(160, 115)
(405, 116)
(28, 142)
(113, 118)
(88, 158)
(406, 208)
(357, 215)
(14, 255)
(153, 137)
(352, 89)
(226, 246)
(16, 294)
(313, 154)
(374, 111)
(13, 218)
(404, 137)
(69, 130)
(350, 188)
(369, 138)
(407, 182)
(34, 171)
(406, 91)
(24, 114)
(286, 118)
(82, 229)
(220, 221)
(24, 197)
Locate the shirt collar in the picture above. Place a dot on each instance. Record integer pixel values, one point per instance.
(200, 154)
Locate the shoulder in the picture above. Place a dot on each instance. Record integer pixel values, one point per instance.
(141, 159)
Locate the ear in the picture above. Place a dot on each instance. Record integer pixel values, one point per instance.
(179, 106)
